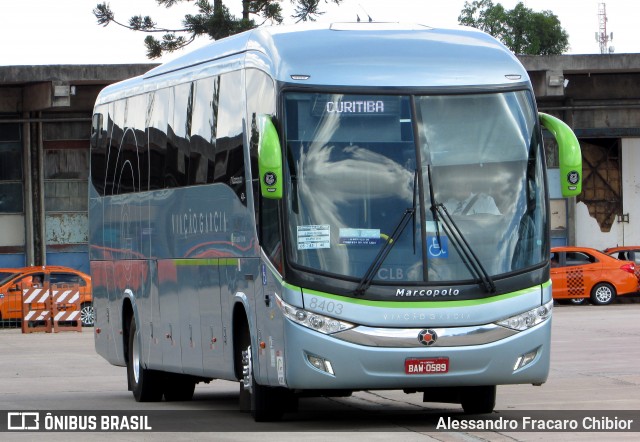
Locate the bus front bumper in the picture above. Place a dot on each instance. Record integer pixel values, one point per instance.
(317, 361)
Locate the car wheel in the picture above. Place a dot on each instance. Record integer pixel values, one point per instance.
(578, 301)
(603, 293)
(87, 314)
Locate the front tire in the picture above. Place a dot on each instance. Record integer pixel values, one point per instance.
(603, 293)
(267, 404)
(145, 384)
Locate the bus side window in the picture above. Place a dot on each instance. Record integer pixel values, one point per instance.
(229, 158)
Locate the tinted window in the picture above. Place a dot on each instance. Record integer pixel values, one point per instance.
(578, 259)
(99, 149)
(10, 169)
(229, 161)
(203, 131)
(158, 118)
(66, 278)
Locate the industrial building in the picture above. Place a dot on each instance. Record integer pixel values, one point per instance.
(45, 119)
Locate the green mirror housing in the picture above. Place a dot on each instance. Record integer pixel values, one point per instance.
(269, 159)
(569, 154)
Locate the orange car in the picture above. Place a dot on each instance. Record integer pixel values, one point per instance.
(627, 253)
(581, 273)
(14, 281)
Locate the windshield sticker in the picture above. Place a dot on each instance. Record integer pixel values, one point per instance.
(360, 237)
(438, 247)
(314, 237)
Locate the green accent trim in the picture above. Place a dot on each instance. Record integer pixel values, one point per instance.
(418, 304)
(206, 262)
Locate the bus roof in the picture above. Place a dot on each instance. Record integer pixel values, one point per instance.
(359, 54)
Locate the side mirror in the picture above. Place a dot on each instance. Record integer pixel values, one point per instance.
(269, 159)
(569, 154)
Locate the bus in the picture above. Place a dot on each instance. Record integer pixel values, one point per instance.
(278, 208)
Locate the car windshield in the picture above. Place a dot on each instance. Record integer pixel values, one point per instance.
(352, 164)
(6, 276)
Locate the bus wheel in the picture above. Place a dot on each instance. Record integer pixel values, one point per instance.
(266, 402)
(478, 400)
(179, 388)
(145, 384)
(603, 294)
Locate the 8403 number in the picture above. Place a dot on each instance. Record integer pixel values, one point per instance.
(326, 306)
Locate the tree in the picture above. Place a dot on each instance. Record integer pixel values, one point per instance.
(521, 29)
(213, 20)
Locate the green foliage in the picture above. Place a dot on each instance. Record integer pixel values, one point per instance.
(521, 29)
(213, 20)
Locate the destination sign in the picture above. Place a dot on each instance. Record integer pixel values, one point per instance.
(355, 107)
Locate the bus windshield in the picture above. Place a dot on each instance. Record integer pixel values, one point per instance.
(352, 164)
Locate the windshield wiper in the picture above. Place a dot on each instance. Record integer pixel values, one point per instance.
(470, 259)
(408, 215)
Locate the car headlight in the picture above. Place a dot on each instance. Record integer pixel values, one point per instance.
(314, 321)
(529, 319)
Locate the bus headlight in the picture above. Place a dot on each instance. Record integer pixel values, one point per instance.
(529, 319)
(314, 321)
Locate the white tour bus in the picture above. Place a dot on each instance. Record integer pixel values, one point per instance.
(324, 209)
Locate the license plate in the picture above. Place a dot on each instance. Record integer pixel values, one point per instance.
(426, 366)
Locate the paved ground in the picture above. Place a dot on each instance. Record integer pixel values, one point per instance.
(595, 360)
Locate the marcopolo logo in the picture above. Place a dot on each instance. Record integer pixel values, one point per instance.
(429, 293)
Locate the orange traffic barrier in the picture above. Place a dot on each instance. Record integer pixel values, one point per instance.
(56, 309)
(36, 310)
(65, 309)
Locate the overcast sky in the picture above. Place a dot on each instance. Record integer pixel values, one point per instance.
(35, 32)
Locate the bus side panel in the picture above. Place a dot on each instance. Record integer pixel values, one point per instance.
(169, 315)
(153, 349)
(190, 283)
(211, 325)
(108, 341)
(135, 285)
(269, 321)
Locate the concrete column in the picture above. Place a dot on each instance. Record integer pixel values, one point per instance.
(28, 193)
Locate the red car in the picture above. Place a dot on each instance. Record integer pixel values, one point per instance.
(581, 273)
